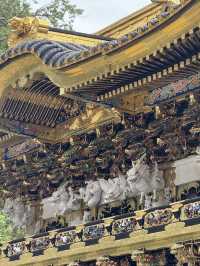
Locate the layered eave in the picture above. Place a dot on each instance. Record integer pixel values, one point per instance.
(163, 49)
(142, 59)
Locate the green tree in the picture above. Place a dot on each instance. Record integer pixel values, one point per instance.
(5, 228)
(7, 231)
(60, 13)
(8, 10)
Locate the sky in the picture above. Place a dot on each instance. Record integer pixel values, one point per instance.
(101, 13)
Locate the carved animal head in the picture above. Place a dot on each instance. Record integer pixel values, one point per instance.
(93, 194)
(23, 25)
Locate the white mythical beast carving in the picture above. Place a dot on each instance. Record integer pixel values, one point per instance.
(142, 180)
(15, 209)
(138, 177)
(74, 202)
(113, 189)
(61, 202)
(93, 194)
(157, 180)
(55, 204)
(22, 215)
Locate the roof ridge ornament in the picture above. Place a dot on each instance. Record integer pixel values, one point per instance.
(27, 27)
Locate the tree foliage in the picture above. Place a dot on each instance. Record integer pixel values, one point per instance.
(8, 10)
(5, 228)
(7, 231)
(60, 13)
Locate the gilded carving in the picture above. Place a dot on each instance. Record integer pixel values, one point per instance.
(179, 87)
(16, 249)
(158, 217)
(22, 26)
(25, 27)
(93, 116)
(66, 238)
(126, 225)
(191, 210)
(93, 232)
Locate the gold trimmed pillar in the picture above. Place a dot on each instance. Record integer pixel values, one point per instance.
(188, 253)
(143, 258)
(138, 257)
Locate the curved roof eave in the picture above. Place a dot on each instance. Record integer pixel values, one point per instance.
(70, 65)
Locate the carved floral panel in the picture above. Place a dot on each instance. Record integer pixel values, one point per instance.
(191, 210)
(66, 238)
(126, 225)
(40, 243)
(16, 249)
(158, 217)
(174, 89)
(93, 232)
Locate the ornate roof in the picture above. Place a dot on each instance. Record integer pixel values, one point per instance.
(79, 113)
(54, 54)
(154, 47)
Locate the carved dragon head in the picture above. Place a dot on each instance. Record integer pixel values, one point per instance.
(22, 26)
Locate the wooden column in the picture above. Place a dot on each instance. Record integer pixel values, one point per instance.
(186, 254)
(138, 256)
(143, 258)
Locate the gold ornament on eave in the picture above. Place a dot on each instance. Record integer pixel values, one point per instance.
(22, 26)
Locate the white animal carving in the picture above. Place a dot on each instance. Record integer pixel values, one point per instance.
(15, 209)
(113, 189)
(61, 202)
(138, 177)
(52, 205)
(21, 215)
(93, 194)
(157, 180)
(148, 201)
(141, 180)
(74, 200)
(87, 217)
